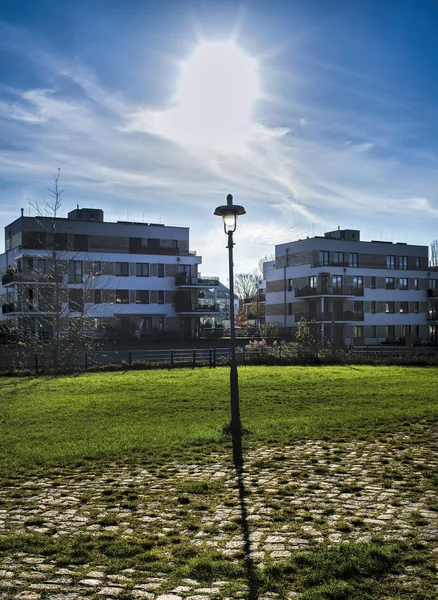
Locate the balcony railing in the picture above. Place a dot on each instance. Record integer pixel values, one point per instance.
(197, 308)
(347, 315)
(18, 276)
(328, 291)
(186, 279)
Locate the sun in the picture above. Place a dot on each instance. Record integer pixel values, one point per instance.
(217, 89)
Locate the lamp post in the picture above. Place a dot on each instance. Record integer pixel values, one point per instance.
(229, 213)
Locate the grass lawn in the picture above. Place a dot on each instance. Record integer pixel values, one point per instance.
(129, 475)
(54, 420)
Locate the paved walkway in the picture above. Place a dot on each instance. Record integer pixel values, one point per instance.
(298, 498)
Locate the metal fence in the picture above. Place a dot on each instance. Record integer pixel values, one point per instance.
(39, 363)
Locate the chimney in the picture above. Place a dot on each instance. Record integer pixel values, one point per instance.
(22, 212)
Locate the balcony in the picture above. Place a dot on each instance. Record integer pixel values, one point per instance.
(346, 316)
(197, 309)
(185, 280)
(17, 276)
(308, 291)
(431, 293)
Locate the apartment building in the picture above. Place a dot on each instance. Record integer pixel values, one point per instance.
(355, 292)
(138, 276)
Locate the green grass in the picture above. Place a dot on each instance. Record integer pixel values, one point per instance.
(56, 420)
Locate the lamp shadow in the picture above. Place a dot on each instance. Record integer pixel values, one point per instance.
(251, 573)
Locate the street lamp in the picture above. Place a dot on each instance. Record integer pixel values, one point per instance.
(229, 213)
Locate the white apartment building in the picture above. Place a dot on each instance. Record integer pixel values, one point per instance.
(135, 275)
(355, 292)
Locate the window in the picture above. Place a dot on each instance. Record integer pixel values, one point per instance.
(122, 296)
(373, 307)
(416, 284)
(390, 332)
(80, 242)
(122, 269)
(353, 259)
(417, 262)
(160, 296)
(97, 268)
(432, 310)
(390, 262)
(404, 307)
(358, 331)
(389, 283)
(160, 322)
(337, 282)
(373, 283)
(97, 296)
(290, 286)
(153, 243)
(160, 270)
(358, 282)
(142, 269)
(142, 297)
(76, 300)
(390, 307)
(323, 258)
(358, 310)
(403, 261)
(289, 308)
(373, 331)
(41, 265)
(432, 284)
(75, 271)
(174, 244)
(404, 285)
(406, 330)
(338, 258)
(145, 323)
(312, 281)
(416, 308)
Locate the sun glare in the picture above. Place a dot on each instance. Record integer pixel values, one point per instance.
(216, 93)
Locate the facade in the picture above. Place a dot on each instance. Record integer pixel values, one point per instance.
(354, 292)
(142, 277)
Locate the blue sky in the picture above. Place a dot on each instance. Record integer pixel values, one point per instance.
(335, 106)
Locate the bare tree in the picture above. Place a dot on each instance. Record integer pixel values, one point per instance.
(434, 253)
(50, 271)
(245, 285)
(259, 268)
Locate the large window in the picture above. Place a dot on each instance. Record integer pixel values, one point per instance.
(403, 262)
(312, 281)
(390, 307)
(390, 283)
(75, 274)
(416, 284)
(358, 282)
(323, 258)
(337, 282)
(404, 284)
(142, 269)
(142, 296)
(390, 262)
(373, 307)
(160, 296)
(406, 330)
(97, 268)
(353, 259)
(338, 258)
(358, 331)
(160, 270)
(432, 284)
(290, 285)
(97, 296)
(416, 308)
(76, 300)
(404, 307)
(373, 283)
(122, 296)
(122, 269)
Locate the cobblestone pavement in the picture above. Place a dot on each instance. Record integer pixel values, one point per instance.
(299, 497)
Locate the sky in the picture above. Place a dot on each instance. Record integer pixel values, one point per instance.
(313, 114)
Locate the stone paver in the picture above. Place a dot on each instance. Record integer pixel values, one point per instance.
(300, 497)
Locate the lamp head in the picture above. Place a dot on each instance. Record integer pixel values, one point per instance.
(229, 213)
